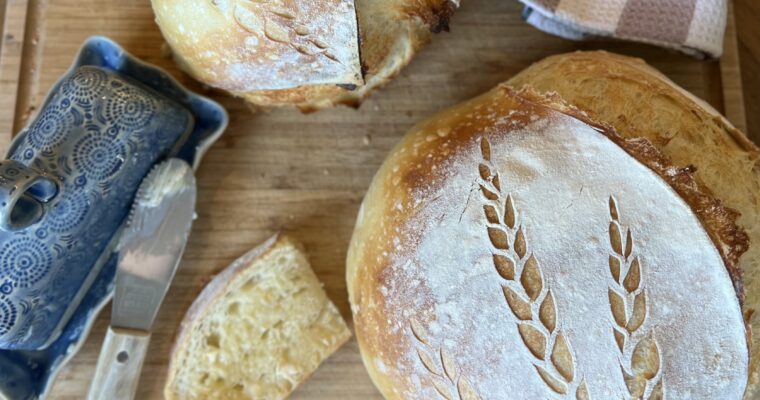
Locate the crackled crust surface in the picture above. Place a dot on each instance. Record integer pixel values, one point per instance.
(638, 101)
(432, 290)
(390, 33)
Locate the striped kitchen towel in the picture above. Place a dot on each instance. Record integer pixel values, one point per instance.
(695, 27)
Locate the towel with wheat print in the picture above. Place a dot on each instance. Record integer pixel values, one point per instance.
(526, 293)
(639, 352)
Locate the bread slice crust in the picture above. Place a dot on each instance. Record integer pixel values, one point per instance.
(214, 293)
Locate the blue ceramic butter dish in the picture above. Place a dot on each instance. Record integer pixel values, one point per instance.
(65, 190)
(66, 187)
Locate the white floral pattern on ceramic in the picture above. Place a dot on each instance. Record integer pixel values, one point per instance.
(101, 128)
(95, 139)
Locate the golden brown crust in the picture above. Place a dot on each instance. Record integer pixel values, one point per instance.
(419, 164)
(578, 77)
(433, 13)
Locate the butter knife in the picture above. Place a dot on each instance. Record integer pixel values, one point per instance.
(150, 250)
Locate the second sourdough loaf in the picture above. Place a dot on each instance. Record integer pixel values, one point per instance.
(638, 101)
(310, 54)
(513, 247)
(257, 331)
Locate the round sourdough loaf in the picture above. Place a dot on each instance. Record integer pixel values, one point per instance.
(638, 101)
(310, 54)
(511, 247)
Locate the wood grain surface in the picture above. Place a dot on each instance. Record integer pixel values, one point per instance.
(281, 170)
(748, 31)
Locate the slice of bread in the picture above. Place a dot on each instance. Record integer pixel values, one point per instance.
(257, 331)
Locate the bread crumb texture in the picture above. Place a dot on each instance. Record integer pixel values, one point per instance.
(261, 328)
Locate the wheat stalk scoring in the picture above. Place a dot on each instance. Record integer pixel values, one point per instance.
(447, 377)
(277, 24)
(525, 291)
(628, 303)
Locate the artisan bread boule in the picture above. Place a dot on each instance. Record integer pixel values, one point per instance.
(257, 331)
(639, 101)
(514, 248)
(310, 54)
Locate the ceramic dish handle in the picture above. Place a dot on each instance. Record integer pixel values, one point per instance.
(23, 191)
(119, 365)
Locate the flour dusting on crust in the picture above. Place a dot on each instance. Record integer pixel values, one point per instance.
(247, 45)
(424, 252)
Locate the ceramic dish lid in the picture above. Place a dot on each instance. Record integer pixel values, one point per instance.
(27, 374)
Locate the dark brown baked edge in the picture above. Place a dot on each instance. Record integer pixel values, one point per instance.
(718, 220)
(436, 14)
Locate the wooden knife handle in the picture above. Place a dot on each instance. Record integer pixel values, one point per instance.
(119, 365)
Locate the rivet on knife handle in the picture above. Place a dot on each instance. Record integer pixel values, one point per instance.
(119, 365)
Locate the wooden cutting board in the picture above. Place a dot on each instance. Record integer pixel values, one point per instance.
(302, 174)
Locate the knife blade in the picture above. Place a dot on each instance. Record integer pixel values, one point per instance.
(152, 244)
(150, 250)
